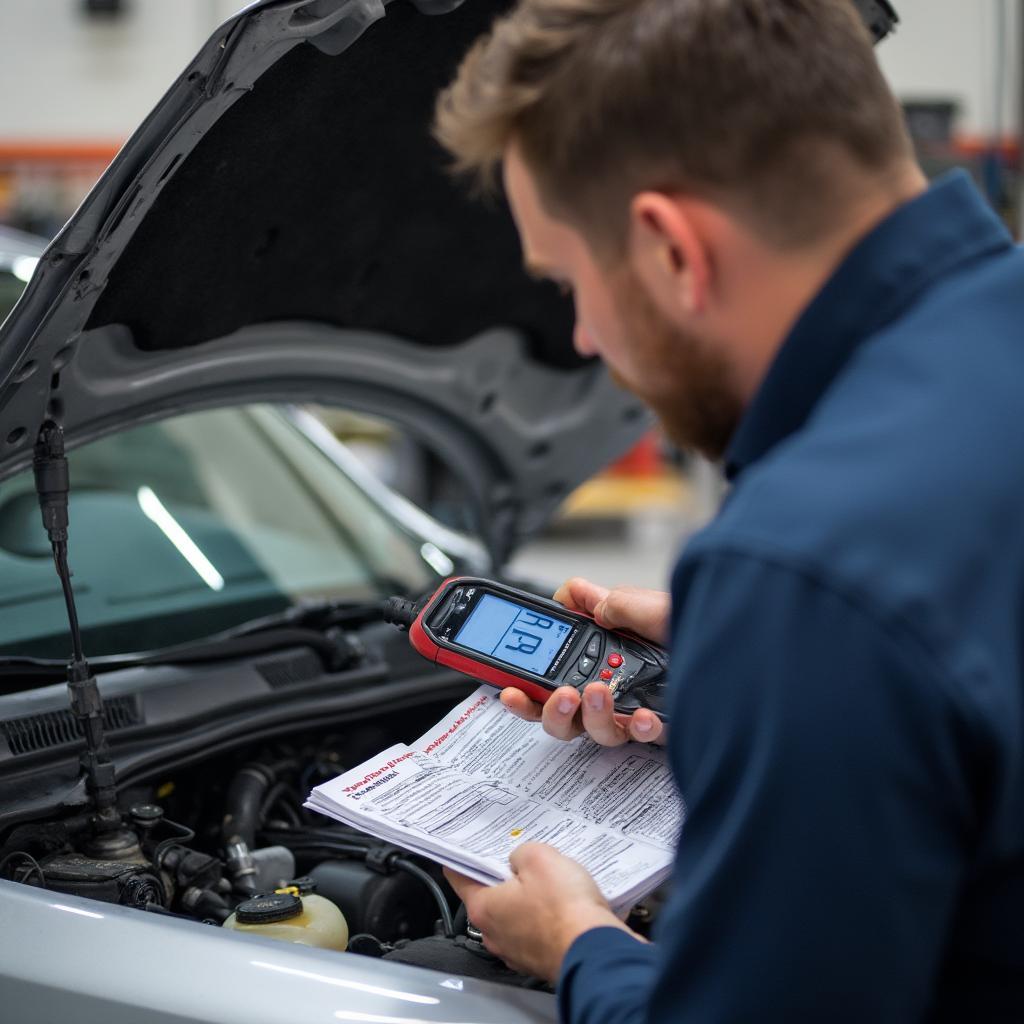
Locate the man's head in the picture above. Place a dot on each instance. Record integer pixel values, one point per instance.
(690, 169)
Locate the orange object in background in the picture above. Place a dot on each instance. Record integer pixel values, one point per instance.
(643, 459)
(42, 183)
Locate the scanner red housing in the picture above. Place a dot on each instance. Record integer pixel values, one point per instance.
(424, 643)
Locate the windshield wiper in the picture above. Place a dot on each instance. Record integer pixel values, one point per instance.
(322, 626)
(313, 615)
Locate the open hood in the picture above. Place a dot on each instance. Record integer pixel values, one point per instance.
(281, 227)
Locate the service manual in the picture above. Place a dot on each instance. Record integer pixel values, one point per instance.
(481, 781)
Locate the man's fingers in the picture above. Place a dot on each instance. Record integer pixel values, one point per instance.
(599, 717)
(580, 595)
(520, 705)
(533, 856)
(646, 726)
(559, 714)
(465, 888)
(645, 612)
(563, 719)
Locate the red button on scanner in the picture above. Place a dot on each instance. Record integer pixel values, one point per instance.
(615, 660)
(606, 674)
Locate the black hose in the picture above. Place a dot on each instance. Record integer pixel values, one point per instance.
(306, 845)
(273, 797)
(442, 904)
(339, 833)
(34, 867)
(315, 845)
(244, 800)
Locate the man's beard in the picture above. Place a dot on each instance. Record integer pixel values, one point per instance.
(686, 382)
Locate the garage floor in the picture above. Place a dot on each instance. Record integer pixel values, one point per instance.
(638, 547)
(639, 557)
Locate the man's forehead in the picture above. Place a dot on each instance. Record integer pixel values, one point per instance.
(545, 240)
(519, 187)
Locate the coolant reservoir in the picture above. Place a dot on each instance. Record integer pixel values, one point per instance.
(308, 919)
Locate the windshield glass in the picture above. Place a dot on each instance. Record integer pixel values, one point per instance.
(192, 525)
(10, 288)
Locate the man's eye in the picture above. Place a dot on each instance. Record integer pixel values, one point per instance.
(564, 288)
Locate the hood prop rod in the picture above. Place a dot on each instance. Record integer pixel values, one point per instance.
(112, 840)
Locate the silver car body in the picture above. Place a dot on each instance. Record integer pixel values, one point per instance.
(68, 959)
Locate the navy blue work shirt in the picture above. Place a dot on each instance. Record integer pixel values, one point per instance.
(847, 707)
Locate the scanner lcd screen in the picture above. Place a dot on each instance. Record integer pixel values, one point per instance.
(514, 634)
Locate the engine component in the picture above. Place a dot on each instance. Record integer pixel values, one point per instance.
(242, 866)
(145, 818)
(205, 905)
(130, 883)
(242, 817)
(306, 918)
(387, 906)
(459, 955)
(190, 869)
(274, 866)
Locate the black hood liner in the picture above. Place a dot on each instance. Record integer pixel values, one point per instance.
(320, 195)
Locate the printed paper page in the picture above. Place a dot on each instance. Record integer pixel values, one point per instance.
(396, 775)
(628, 788)
(475, 821)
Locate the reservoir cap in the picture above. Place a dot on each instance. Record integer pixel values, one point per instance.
(268, 909)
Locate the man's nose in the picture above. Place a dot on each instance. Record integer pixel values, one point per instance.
(582, 340)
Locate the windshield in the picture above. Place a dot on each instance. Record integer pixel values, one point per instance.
(192, 525)
(10, 288)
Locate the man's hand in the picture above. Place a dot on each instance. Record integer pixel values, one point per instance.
(644, 612)
(531, 920)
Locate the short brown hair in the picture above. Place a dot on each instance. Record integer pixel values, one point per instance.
(750, 102)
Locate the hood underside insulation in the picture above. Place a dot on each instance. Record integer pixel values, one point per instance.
(320, 195)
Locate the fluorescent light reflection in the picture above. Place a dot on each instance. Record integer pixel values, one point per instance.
(437, 559)
(377, 1018)
(154, 509)
(23, 267)
(374, 990)
(75, 910)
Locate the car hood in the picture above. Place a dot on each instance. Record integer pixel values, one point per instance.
(282, 227)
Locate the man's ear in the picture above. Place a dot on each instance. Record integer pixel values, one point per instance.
(668, 253)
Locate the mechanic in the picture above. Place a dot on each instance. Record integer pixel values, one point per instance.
(728, 190)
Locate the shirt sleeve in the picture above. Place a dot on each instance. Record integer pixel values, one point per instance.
(828, 815)
(631, 962)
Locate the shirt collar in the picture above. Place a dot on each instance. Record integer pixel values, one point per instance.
(923, 240)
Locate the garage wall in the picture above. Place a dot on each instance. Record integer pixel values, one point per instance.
(956, 48)
(64, 76)
(70, 77)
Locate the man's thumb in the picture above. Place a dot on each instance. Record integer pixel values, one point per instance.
(644, 612)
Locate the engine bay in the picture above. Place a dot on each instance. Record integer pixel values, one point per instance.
(202, 839)
(193, 807)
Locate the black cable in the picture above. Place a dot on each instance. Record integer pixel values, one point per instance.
(348, 849)
(60, 561)
(35, 866)
(184, 834)
(339, 833)
(313, 843)
(278, 790)
(401, 612)
(442, 904)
